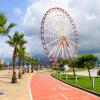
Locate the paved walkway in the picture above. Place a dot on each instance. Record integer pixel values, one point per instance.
(44, 87)
(19, 91)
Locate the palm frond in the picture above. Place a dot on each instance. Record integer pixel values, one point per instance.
(10, 27)
(4, 30)
(3, 19)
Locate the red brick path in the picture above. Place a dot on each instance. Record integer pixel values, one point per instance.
(44, 87)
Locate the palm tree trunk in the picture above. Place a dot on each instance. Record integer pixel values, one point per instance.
(23, 71)
(14, 79)
(37, 67)
(20, 69)
(32, 68)
(28, 69)
(74, 71)
(89, 72)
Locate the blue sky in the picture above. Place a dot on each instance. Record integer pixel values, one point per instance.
(9, 6)
(27, 14)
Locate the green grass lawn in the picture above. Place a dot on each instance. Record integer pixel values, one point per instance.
(82, 81)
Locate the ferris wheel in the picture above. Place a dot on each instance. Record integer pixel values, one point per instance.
(58, 34)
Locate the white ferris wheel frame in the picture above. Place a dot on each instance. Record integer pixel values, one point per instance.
(57, 50)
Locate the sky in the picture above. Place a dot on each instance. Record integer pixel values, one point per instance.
(27, 14)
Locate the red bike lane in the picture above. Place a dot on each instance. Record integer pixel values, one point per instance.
(45, 87)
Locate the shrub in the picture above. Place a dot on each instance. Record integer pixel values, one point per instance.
(1, 66)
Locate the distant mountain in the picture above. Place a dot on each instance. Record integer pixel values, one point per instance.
(98, 55)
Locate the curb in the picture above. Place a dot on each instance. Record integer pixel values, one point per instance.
(97, 94)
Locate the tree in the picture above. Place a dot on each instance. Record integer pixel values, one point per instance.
(80, 62)
(23, 62)
(27, 61)
(14, 41)
(73, 63)
(36, 61)
(1, 66)
(21, 54)
(87, 61)
(4, 29)
(61, 64)
(32, 61)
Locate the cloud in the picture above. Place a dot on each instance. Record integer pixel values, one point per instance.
(32, 46)
(0, 51)
(17, 11)
(92, 17)
(34, 13)
(5, 50)
(32, 20)
(85, 13)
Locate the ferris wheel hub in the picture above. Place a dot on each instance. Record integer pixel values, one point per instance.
(63, 40)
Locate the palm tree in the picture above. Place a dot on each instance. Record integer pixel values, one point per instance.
(27, 61)
(14, 41)
(4, 29)
(36, 60)
(31, 61)
(23, 62)
(32, 64)
(21, 54)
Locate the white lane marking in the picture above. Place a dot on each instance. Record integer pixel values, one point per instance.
(30, 88)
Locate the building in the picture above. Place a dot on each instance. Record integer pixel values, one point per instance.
(1, 61)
